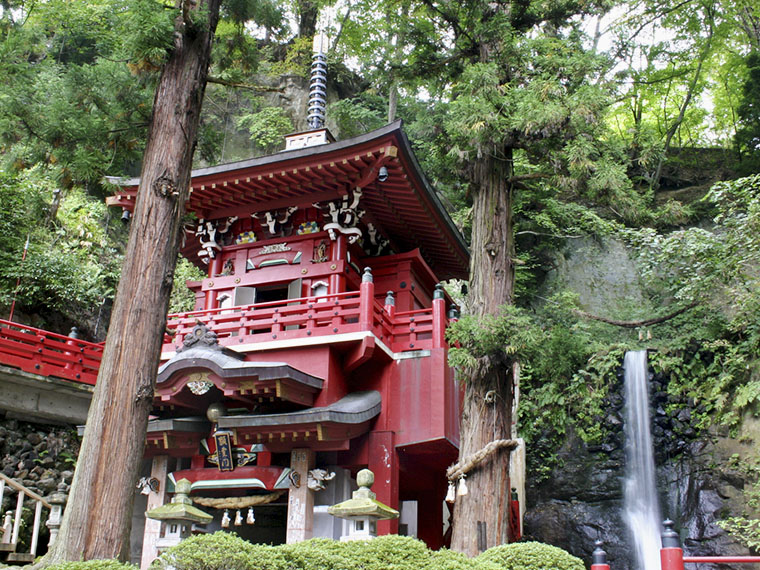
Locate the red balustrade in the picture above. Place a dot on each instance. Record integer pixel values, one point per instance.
(49, 354)
(305, 317)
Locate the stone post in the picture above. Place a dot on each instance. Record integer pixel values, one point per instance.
(57, 501)
(300, 497)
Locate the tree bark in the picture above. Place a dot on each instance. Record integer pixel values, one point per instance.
(99, 511)
(481, 518)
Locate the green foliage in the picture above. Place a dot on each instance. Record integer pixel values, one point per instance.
(511, 333)
(358, 115)
(267, 127)
(746, 528)
(297, 60)
(220, 551)
(73, 261)
(226, 551)
(748, 133)
(93, 565)
(183, 299)
(531, 555)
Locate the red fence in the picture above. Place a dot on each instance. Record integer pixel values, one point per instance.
(306, 317)
(671, 554)
(49, 354)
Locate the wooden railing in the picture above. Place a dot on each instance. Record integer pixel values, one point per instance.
(9, 536)
(49, 354)
(307, 317)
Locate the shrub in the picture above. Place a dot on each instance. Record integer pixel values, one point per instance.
(531, 556)
(390, 552)
(450, 560)
(316, 554)
(93, 565)
(220, 551)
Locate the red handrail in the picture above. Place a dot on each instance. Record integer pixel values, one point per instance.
(49, 354)
(722, 559)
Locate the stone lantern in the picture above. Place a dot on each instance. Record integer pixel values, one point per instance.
(362, 510)
(178, 517)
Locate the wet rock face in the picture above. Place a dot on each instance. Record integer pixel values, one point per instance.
(582, 501)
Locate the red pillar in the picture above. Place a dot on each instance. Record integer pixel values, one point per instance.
(214, 268)
(439, 317)
(366, 300)
(337, 280)
(383, 462)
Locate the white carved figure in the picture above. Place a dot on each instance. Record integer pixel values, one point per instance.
(318, 478)
(343, 216)
(208, 233)
(274, 223)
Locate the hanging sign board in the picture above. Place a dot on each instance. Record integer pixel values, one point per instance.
(224, 450)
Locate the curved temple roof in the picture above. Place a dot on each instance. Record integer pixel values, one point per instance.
(404, 206)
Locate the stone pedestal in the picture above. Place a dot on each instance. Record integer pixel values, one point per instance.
(300, 497)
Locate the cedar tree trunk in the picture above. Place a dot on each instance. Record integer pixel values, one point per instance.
(97, 519)
(481, 518)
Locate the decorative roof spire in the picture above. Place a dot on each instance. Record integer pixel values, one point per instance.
(315, 119)
(318, 84)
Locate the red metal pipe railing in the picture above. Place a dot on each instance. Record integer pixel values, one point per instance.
(722, 559)
(672, 558)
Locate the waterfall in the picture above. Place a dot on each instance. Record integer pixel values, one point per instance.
(641, 508)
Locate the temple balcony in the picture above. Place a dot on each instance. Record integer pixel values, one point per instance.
(331, 318)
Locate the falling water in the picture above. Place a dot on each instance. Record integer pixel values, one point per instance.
(642, 511)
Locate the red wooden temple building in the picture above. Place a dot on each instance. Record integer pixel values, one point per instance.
(316, 347)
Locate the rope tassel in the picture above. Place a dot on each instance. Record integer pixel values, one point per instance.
(462, 488)
(451, 494)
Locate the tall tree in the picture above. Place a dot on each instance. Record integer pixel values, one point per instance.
(97, 520)
(518, 101)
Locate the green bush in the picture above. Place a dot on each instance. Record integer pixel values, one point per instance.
(226, 551)
(531, 556)
(93, 565)
(220, 551)
(316, 554)
(390, 552)
(450, 560)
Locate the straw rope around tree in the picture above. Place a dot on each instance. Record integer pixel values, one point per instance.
(469, 463)
(237, 502)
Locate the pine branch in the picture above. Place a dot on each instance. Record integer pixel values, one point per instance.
(250, 86)
(635, 324)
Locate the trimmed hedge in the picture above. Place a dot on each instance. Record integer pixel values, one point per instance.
(226, 551)
(93, 565)
(533, 555)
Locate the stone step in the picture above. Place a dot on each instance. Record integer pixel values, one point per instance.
(7, 547)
